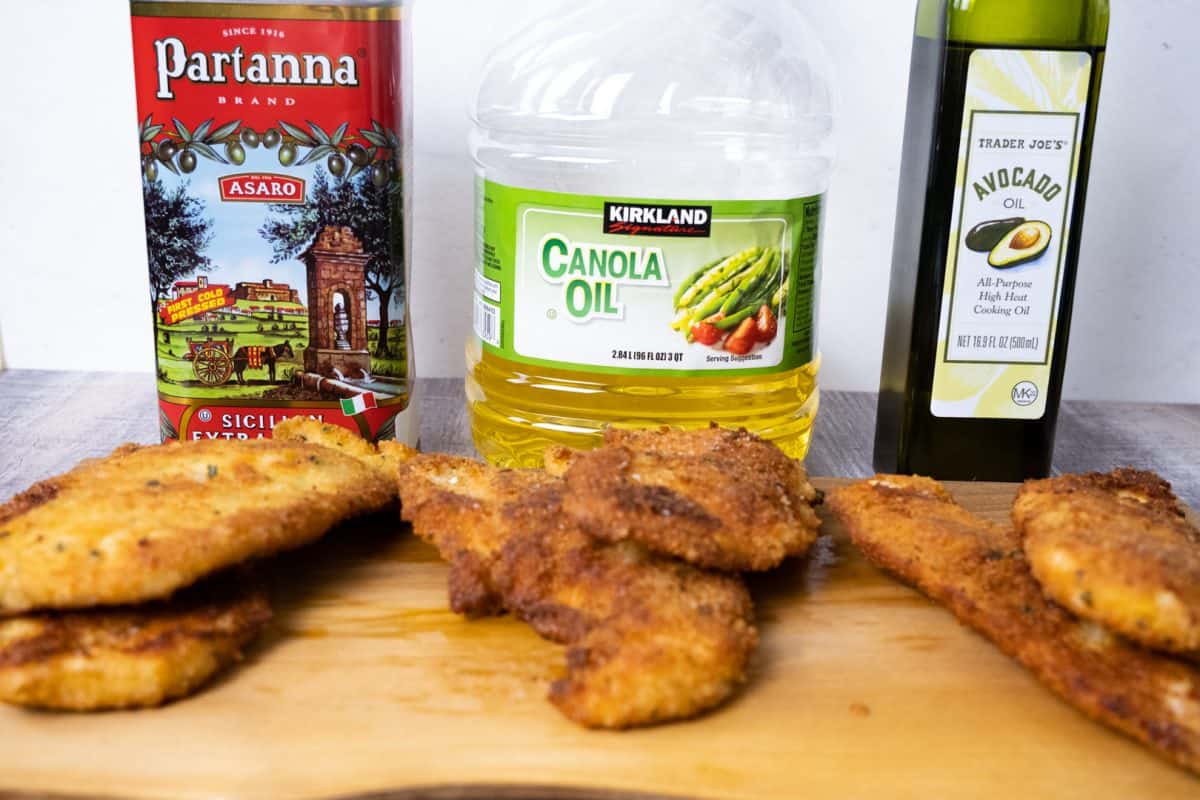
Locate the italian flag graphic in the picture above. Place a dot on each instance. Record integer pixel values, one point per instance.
(358, 404)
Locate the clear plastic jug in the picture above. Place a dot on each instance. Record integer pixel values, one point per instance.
(643, 168)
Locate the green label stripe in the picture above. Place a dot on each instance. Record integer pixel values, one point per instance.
(804, 281)
(640, 286)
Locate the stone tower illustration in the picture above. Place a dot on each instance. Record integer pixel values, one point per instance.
(337, 305)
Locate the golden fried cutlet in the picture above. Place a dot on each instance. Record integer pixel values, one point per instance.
(1116, 548)
(649, 639)
(913, 528)
(129, 657)
(385, 456)
(146, 521)
(715, 497)
(461, 507)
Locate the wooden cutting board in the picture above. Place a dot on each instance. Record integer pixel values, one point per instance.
(368, 685)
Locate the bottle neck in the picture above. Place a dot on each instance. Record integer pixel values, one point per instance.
(1047, 23)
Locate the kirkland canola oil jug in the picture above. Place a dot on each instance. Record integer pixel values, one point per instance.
(273, 148)
(650, 186)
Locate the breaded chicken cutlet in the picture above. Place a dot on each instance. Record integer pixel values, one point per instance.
(914, 529)
(649, 639)
(1116, 548)
(718, 498)
(146, 521)
(384, 456)
(130, 657)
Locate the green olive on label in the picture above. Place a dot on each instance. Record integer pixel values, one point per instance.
(337, 165)
(150, 168)
(249, 137)
(166, 150)
(235, 153)
(270, 138)
(287, 154)
(379, 174)
(358, 155)
(187, 161)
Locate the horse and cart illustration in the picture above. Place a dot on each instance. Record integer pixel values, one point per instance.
(214, 361)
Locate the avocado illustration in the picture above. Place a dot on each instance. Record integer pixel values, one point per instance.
(984, 237)
(1024, 244)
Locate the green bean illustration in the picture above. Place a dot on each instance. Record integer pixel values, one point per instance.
(715, 276)
(715, 300)
(767, 266)
(730, 290)
(749, 309)
(778, 297)
(691, 279)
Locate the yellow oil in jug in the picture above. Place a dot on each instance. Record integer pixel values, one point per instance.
(517, 411)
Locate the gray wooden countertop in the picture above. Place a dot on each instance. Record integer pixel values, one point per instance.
(51, 420)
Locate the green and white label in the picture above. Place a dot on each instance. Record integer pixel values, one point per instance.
(1018, 163)
(646, 286)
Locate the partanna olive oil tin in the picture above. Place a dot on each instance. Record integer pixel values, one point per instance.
(273, 144)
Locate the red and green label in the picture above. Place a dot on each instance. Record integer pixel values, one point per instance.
(646, 286)
(271, 142)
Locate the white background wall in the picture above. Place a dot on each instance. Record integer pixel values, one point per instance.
(70, 212)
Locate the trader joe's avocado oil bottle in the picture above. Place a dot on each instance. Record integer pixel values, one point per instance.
(650, 194)
(1001, 113)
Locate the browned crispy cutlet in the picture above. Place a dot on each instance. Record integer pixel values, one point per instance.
(1116, 548)
(718, 498)
(384, 456)
(146, 521)
(649, 639)
(913, 528)
(129, 657)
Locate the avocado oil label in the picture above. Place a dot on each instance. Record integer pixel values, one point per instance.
(270, 139)
(646, 286)
(1019, 159)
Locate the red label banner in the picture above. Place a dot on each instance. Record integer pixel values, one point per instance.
(264, 71)
(261, 187)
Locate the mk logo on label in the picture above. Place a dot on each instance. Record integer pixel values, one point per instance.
(637, 219)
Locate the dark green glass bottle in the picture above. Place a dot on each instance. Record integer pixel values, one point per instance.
(1001, 113)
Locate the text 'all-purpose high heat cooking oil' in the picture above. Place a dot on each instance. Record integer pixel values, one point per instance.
(651, 181)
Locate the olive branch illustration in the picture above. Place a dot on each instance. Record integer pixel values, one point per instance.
(176, 148)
